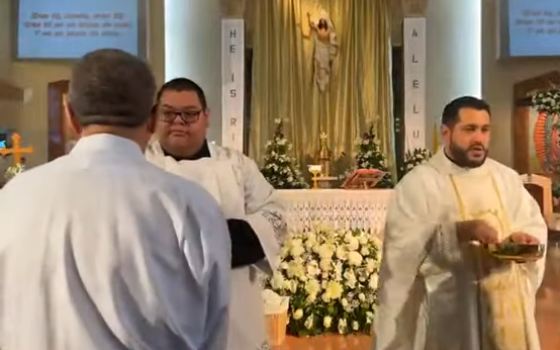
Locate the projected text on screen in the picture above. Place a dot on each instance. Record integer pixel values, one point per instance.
(59, 31)
(534, 27)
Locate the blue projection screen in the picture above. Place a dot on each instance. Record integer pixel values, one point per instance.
(529, 28)
(68, 29)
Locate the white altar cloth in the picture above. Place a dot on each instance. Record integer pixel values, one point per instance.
(337, 208)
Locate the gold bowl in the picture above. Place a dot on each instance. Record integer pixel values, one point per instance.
(516, 252)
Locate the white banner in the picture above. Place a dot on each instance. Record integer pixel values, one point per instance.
(414, 45)
(233, 77)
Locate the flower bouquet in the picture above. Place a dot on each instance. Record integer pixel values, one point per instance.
(413, 158)
(370, 156)
(547, 101)
(280, 169)
(13, 171)
(331, 278)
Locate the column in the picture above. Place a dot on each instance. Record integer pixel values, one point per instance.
(193, 50)
(453, 55)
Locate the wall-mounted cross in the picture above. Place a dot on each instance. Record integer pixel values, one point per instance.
(17, 151)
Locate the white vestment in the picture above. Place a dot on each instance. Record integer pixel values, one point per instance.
(436, 294)
(101, 250)
(243, 193)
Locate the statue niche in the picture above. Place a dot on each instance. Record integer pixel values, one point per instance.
(527, 126)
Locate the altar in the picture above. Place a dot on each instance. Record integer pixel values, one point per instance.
(337, 208)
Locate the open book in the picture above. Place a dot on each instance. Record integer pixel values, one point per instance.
(363, 179)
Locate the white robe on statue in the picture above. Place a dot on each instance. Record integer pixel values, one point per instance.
(243, 193)
(101, 250)
(438, 295)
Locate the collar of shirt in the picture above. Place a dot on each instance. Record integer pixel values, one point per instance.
(111, 144)
(203, 152)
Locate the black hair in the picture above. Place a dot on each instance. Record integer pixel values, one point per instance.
(323, 24)
(111, 87)
(450, 115)
(183, 84)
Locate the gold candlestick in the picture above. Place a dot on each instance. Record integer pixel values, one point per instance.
(324, 155)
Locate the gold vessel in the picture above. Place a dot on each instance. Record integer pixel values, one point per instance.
(324, 155)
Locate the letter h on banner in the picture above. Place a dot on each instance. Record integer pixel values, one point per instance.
(233, 75)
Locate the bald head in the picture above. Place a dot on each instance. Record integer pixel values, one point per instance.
(110, 87)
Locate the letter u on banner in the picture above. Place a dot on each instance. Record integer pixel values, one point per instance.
(233, 89)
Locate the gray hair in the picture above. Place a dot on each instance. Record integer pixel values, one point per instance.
(113, 88)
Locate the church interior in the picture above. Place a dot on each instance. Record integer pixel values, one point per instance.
(347, 95)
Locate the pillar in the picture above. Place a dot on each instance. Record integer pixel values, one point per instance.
(453, 54)
(193, 50)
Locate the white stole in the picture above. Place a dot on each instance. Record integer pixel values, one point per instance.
(502, 289)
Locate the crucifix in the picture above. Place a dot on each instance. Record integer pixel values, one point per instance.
(17, 151)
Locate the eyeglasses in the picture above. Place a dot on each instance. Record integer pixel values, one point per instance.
(188, 117)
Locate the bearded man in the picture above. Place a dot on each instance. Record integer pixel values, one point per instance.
(441, 289)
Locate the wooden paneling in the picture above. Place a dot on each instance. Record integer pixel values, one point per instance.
(10, 92)
(58, 135)
(327, 342)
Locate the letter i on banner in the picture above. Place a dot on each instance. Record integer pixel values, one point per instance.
(233, 76)
(414, 54)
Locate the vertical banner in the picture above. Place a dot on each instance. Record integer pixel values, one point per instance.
(233, 76)
(414, 46)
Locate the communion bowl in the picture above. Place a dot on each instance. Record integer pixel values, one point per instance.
(314, 168)
(516, 252)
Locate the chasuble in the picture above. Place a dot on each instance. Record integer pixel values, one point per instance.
(249, 201)
(437, 294)
(101, 250)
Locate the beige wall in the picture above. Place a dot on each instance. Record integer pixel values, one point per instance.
(7, 110)
(498, 78)
(31, 118)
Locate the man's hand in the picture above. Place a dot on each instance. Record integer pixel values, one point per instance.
(522, 238)
(477, 231)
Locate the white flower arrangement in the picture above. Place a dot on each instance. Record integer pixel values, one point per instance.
(279, 168)
(331, 277)
(413, 158)
(369, 156)
(13, 171)
(547, 101)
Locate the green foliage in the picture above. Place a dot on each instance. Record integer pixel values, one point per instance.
(280, 169)
(413, 158)
(369, 156)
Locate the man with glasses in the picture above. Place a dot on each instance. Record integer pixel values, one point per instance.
(255, 216)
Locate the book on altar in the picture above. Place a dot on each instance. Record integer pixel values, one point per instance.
(363, 179)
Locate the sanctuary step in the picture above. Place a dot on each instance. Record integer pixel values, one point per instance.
(327, 342)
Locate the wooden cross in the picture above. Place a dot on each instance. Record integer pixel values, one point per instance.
(16, 149)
